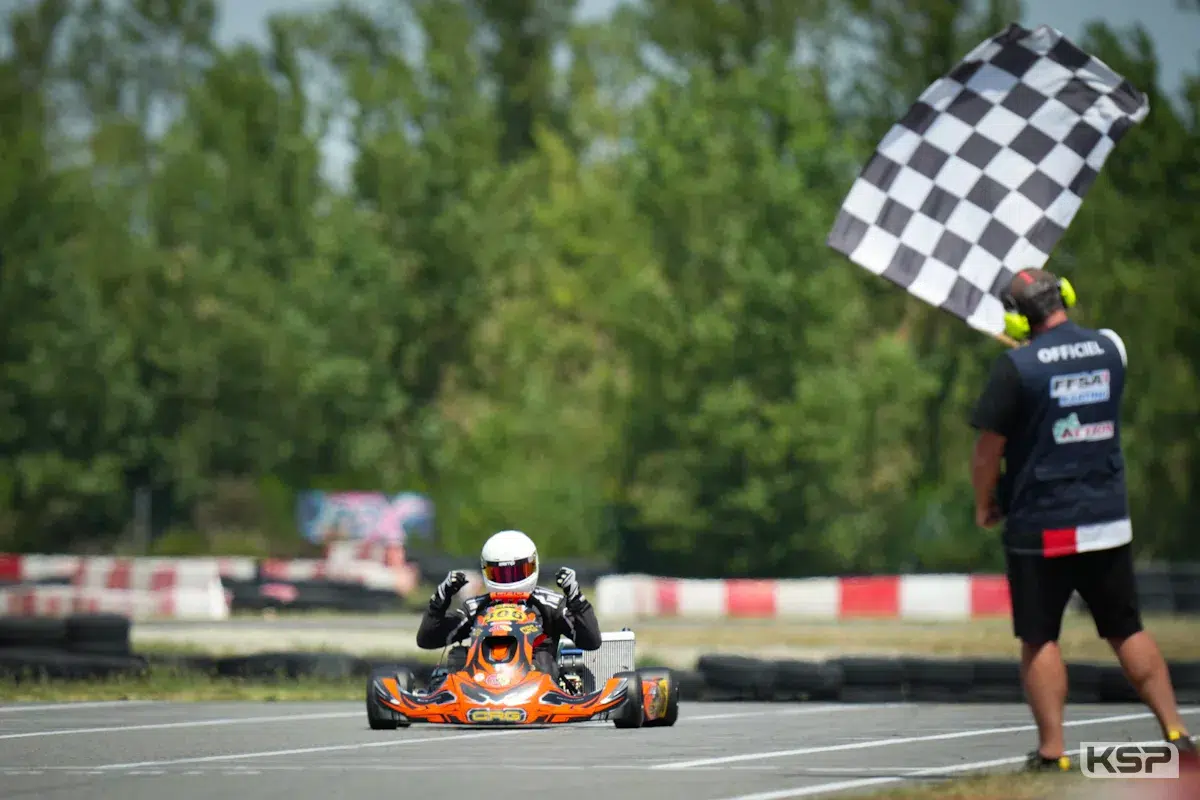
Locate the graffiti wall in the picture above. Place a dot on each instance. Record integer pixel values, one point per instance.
(364, 516)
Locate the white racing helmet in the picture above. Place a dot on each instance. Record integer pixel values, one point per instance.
(509, 563)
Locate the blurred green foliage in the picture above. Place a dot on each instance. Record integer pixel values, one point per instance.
(568, 276)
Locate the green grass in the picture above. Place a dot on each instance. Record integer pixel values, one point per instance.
(166, 683)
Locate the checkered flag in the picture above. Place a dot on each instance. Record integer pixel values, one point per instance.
(986, 170)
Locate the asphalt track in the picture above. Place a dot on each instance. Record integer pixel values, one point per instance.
(717, 751)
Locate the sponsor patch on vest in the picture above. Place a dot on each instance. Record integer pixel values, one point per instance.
(1069, 430)
(1080, 388)
(1069, 352)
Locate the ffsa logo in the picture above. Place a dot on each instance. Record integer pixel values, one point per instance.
(1127, 760)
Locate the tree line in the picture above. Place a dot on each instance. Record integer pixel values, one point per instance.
(570, 278)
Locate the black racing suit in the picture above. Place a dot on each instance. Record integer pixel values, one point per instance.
(578, 623)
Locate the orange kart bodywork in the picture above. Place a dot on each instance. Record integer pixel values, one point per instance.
(501, 685)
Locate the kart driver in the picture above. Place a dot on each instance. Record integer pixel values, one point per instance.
(509, 562)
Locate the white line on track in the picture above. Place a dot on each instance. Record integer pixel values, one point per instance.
(801, 711)
(200, 723)
(300, 751)
(449, 737)
(873, 743)
(863, 783)
(73, 706)
(351, 714)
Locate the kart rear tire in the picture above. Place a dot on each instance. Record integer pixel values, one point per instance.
(630, 715)
(668, 719)
(379, 717)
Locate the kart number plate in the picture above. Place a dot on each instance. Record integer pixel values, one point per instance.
(496, 715)
(506, 614)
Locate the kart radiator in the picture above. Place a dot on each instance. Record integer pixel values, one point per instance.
(616, 654)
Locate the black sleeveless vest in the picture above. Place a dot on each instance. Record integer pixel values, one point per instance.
(1063, 465)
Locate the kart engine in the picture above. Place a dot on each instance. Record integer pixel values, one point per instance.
(570, 669)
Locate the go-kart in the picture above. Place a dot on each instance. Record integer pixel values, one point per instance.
(495, 680)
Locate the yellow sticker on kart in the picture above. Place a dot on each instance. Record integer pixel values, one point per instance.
(506, 613)
(663, 697)
(496, 715)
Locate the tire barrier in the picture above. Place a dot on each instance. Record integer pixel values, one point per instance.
(937, 680)
(35, 632)
(19, 664)
(1185, 675)
(740, 676)
(867, 679)
(1155, 589)
(1169, 588)
(278, 666)
(997, 680)
(859, 679)
(801, 680)
(76, 647)
(98, 634)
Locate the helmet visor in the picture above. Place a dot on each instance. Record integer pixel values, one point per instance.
(506, 573)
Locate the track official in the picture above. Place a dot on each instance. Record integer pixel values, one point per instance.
(1051, 412)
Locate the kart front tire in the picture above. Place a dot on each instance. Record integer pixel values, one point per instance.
(630, 715)
(379, 717)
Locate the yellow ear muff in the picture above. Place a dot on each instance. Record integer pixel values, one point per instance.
(1067, 291)
(1016, 325)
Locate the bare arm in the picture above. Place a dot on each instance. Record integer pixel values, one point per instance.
(994, 417)
(985, 474)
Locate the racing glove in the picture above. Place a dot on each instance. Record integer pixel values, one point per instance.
(444, 593)
(569, 584)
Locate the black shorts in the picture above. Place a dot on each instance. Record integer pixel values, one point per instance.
(1041, 588)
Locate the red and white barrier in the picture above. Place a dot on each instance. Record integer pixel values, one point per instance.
(374, 565)
(370, 574)
(19, 568)
(238, 568)
(185, 588)
(916, 597)
(141, 588)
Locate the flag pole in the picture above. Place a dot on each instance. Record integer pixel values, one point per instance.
(1006, 340)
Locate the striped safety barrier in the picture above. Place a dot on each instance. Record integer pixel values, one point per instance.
(138, 588)
(931, 597)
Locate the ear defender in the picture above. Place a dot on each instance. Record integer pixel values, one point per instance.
(1016, 324)
(1067, 291)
